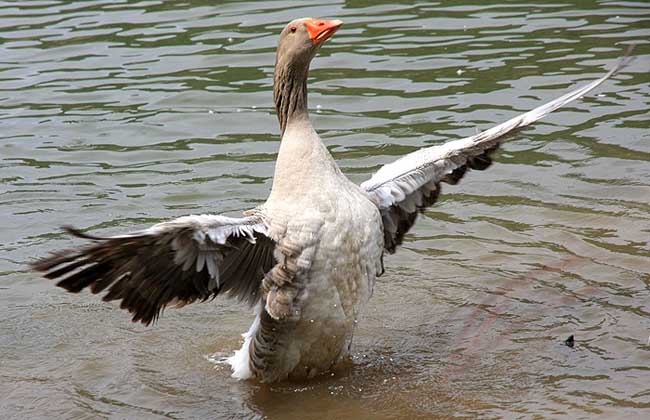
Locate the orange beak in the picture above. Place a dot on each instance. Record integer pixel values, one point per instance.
(321, 30)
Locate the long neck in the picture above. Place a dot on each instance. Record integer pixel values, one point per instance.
(304, 164)
(290, 94)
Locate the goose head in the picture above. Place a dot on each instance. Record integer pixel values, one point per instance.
(299, 42)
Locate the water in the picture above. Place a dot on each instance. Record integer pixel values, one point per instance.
(115, 115)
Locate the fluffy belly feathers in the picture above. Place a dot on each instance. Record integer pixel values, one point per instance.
(329, 271)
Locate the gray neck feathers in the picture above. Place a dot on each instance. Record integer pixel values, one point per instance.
(290, 94)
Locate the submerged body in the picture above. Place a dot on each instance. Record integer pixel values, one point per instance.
(307, 259)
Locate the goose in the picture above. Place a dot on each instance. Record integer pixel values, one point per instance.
(307, 259)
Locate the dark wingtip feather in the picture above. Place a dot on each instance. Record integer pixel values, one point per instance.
(54, 259)
(75, 283)
(144, 320)
(57, 258)
(74, 264)
(79, 234)
(479, 163)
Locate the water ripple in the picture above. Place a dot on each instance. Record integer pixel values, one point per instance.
(117, 115)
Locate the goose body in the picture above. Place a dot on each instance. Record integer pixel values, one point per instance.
(329, 230)
(307, 259)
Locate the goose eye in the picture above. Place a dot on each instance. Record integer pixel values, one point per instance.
(293, 29)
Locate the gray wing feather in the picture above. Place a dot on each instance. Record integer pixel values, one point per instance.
(169, 264)
(411, 183)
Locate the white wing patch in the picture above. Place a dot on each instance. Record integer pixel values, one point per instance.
(209, 234)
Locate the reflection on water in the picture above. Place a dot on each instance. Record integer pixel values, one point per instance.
(116, 115)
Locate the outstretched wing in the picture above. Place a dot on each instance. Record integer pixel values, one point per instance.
(170, 264)
(407, 186)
